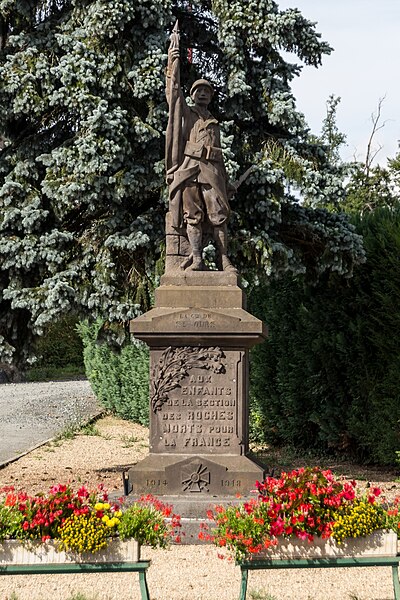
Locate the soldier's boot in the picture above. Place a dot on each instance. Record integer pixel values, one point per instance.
(221, 241)
(194, 234)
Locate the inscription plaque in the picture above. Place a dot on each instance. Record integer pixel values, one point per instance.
(200, 320)
(200, 415)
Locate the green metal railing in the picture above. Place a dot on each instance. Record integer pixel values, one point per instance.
(51, 568)
(320, 563)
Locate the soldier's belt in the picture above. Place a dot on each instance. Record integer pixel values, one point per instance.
(199, 151)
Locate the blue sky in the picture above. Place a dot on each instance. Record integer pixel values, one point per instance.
(364, 67)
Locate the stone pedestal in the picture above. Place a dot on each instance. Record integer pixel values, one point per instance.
(199, 335)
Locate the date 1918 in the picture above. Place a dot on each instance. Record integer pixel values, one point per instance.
(231, 483)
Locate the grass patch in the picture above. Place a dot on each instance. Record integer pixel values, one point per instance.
(129, 441)
(260, 595)
(77, 596)
(69, 372)
(71, 431)
(90, 429)
(67, 434)
(80, 596)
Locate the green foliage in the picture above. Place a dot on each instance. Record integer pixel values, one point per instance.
(60, 344)
(146, 521)
(80, 596)
(329, 374)
(77, 596)
(369, 189)
(82, 122)
(91, 430)
(287, 374)
(376, 414)
(54, 373)
(330, 133)
(119, 376)
(10, 521)
(260, 595)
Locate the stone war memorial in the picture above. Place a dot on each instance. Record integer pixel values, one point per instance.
(199, 331)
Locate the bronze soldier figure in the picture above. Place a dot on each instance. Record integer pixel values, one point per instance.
(196, 174)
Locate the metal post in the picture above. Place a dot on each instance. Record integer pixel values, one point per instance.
(143, 586)
(243, 586)
(396, 584)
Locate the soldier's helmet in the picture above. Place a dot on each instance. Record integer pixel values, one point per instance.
(200, 82)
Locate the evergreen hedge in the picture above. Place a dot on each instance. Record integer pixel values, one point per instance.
(60, 344)
(59, 352)
(328, 377)
(119, 376)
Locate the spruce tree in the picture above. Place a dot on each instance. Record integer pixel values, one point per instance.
(82, 122)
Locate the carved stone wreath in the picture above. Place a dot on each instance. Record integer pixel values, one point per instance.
(174, 364)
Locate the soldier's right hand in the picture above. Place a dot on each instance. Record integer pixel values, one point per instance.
(173, 53)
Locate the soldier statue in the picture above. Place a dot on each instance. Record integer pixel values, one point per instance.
(196, 174)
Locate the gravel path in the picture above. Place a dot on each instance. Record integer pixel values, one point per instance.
(32, 413)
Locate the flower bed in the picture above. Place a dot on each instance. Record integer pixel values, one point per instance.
(381, 542)
(304, 507)
(80, 525)
(37, 552)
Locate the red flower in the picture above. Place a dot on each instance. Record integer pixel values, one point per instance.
(82, 492)
(222, 542)
(288, 530)
(58, 489)
(11, 500)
